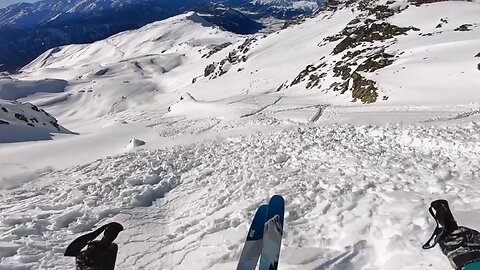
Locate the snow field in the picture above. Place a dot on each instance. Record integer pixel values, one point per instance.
(356, 194)
(356, 198)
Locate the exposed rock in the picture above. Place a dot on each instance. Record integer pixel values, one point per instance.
(381, 12)
(3, 122)
(35, 108)
(370, 33)
(304, 73)
(363, 89)
(477, 55)
(464, 27)
(21, 117)
(235, 57)
(4, 109)
(245, 46)
(333, 38)
(209, 70)
(376, 62)
(55, 124)
(101, 72)
(313, 78)
(478, 66)
(352, 54)
(216, 49)
(294, 21)
(422, 2)
(342, 70)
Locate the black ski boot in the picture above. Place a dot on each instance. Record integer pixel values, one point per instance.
(460, 244)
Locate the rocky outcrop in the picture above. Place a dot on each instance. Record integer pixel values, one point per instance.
(465, 27)
(216, 49)
(361, 49)
(13, 112)
(236, 56)
(423, 2)
(369, 31)
(209, 70)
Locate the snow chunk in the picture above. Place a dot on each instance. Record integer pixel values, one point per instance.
(8, 249)
(134, 143)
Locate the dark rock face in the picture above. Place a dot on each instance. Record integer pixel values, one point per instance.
(422, 2)
(21, 117)
(234, 57)
(35, 108)
(376, 62)
(216, 49)
(101, 72)
(55, 124)
(464, 27)
(478, 66)
(370, 33)
(477, 55)
(360, 51)
(363, 89)
(313, 78)
(3, 122)
(294, 21)
(209, 70)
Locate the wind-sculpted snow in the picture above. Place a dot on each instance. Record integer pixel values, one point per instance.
(356, 198)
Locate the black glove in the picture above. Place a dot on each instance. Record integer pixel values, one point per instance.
(461, 245)
(78, 244)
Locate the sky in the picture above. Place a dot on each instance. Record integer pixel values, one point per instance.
(4, 3)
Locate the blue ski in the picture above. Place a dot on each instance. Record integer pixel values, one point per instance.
(272, 235)
(253, 245)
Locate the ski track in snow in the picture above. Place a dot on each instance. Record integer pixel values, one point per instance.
(356, 198)
(356, 195)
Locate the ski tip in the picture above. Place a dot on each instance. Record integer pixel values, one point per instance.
(277, 198)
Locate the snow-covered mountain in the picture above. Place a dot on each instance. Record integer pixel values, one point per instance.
(26, 122)
(359, 115)
(28, 29)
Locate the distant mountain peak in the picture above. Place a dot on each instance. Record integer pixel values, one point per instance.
(32, 28)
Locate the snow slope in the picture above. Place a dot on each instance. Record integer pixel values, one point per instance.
(356, 198)
(28, 29)
(359, 116)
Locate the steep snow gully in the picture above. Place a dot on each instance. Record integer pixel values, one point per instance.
(357, 198)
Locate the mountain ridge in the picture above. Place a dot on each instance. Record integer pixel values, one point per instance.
(29, 29)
